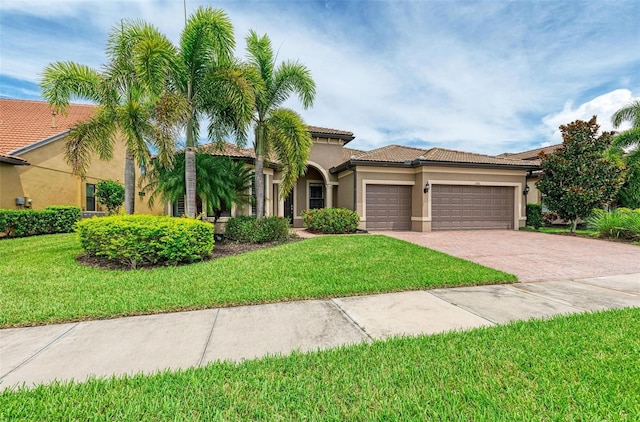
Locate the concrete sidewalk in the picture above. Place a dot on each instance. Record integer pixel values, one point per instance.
(151, 343)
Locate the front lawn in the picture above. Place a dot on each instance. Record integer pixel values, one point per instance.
(42, 283)
(562, 230)
(578, 367)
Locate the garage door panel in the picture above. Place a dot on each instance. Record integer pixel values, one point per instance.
(388, 207)
(471, 207)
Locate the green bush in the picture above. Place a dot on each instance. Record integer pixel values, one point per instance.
(534, 216)
(246, 229)
(110, 194)
(331, 220)
(623, 224)
(137, 240)
(54, 219)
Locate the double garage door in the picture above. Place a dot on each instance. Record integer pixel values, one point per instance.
(471, 207)
(388, 207)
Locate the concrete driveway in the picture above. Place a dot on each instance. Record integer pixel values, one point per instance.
(533, 256)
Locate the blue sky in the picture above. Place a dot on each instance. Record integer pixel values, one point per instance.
(481, 76)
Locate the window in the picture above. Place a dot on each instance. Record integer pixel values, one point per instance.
(91, 197)
(316, 195)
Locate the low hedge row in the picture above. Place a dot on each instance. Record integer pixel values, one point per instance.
(331, 220)
(53, 219)
(245, 229)
(137, 240)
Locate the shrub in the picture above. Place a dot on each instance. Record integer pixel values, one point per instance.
(246, 229)
(110, 194)
(534, 215)
(54, 219)
(331, 220)
(616, 224)
(136, 240)
(550, 217)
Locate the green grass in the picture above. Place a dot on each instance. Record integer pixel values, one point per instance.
(561, 230)
(580, 367)
(42, 283)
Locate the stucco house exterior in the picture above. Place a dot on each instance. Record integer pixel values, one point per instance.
(33, 171)
(401, 188)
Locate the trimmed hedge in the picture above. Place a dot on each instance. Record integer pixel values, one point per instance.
(246, 229)
(138, 240)
(331, 220)
(534, 216)
(53, 219)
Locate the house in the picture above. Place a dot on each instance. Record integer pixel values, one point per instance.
(33, 170)
(534, 196)
(401, 188)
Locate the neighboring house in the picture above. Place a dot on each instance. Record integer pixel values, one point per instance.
(33, 170)
(401, 188)
(534, 196)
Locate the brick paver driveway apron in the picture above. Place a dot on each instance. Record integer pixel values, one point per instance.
(533, 256)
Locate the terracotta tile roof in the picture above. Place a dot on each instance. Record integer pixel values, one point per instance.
(530, 155)
(24, 122)
(229, 150)
(317, 130)
(349, 153)
(401, 154)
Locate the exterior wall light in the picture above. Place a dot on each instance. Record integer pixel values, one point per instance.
(426, 188)
(526, 190)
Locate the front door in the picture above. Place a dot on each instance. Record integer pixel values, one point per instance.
(288, 207)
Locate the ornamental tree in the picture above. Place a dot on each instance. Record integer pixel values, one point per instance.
(110, 194)
(578, 176)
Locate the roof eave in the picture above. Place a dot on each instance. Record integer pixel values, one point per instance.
(39, 143)
(417, 163)
(14, 161)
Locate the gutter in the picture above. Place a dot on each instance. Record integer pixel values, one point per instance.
(348, 165)
(14, 160)
(39, 143)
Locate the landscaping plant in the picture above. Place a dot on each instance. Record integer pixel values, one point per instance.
(53, 219)
(247, 229)
(331, 220)
(110, 194)
(578, 176)
(534, 216)
(621, 223)
(138, 240)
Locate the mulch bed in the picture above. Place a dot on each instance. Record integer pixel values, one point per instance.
(220, 250)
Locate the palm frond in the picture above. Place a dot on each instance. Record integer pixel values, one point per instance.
(629, 113)
(293, 78)
(94, 135)
(63, 81)
(290, 140)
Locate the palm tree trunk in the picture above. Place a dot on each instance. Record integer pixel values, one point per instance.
(259, 169)
(129, 184)
(190, 181)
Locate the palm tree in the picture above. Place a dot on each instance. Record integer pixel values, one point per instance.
(213, 84)
(127, 106)
(220, 182)
(277, 130)
(627, 146)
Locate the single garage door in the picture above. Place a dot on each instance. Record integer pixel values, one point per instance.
(388, 207)
(471, 207)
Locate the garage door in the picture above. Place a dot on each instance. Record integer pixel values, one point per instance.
(388, 207)
(471, 207)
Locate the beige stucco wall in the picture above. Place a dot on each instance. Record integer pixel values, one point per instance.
(419, 177)
(48, 179)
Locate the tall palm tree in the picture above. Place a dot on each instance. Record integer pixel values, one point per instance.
(213, 84)
(127, 106)
(627, 146)
(278, 130)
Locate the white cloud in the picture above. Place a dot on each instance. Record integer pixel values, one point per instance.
(603, 106)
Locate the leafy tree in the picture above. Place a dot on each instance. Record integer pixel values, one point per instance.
(110, 194)
(210, 82)
(277, 130)
(627, 146)
(578, 176)
(220, 182)
(128, 105)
